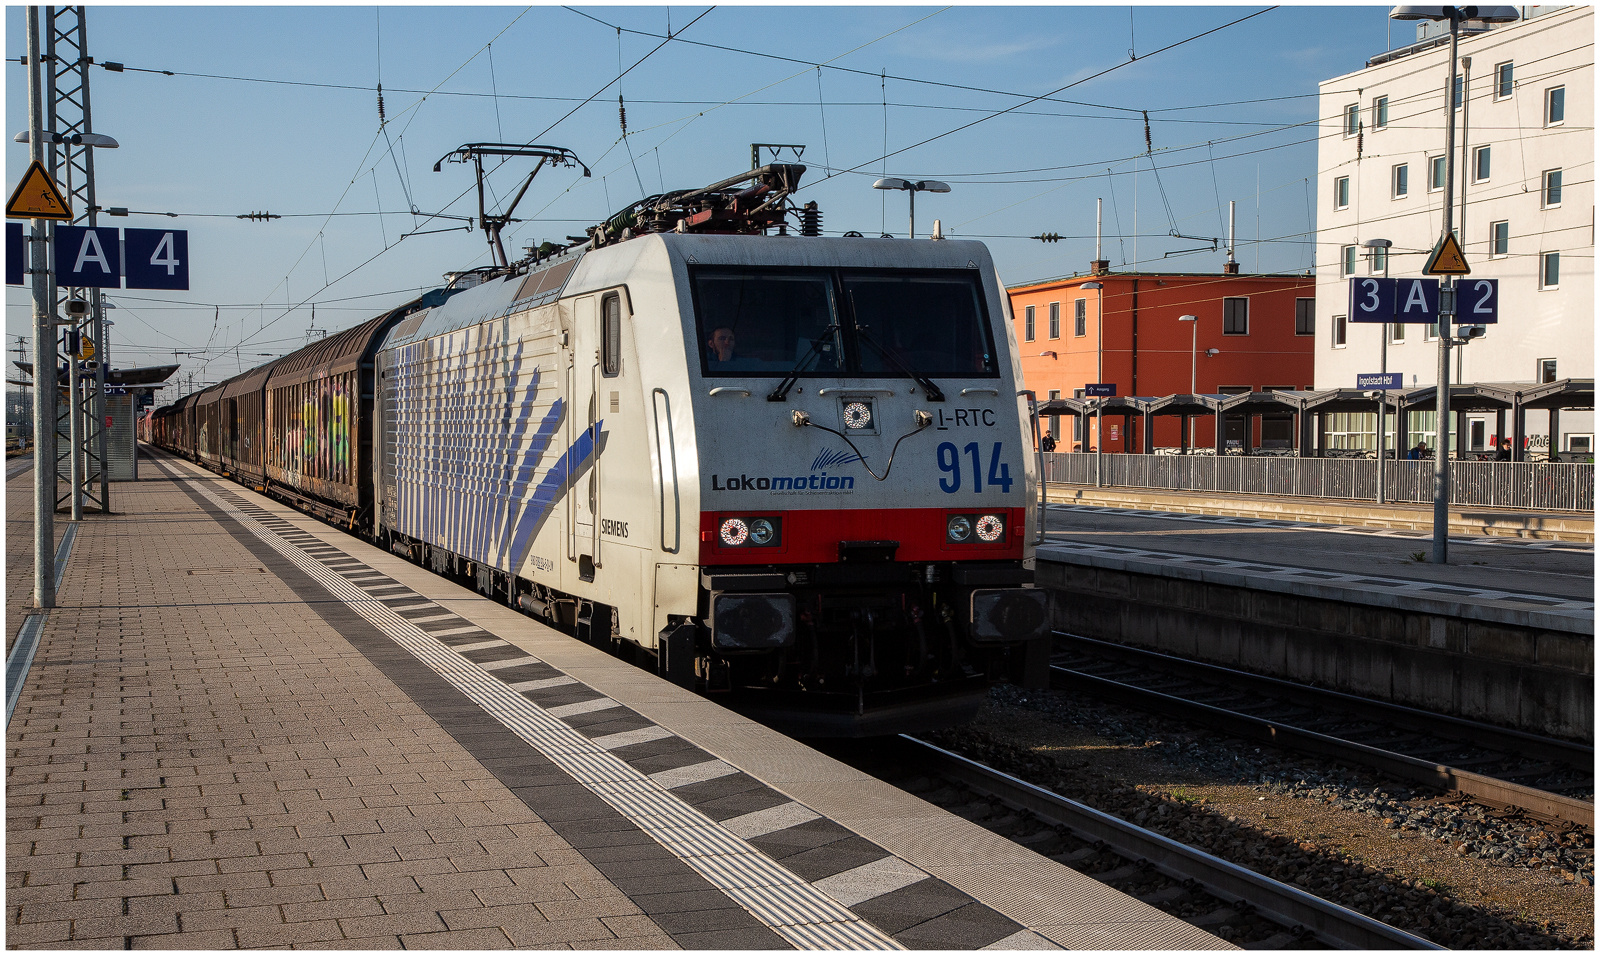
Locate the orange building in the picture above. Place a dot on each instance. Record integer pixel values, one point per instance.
(1250, 333)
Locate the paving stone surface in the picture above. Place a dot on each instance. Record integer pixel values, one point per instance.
(205, 765)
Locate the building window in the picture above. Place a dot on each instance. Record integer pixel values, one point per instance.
(1400, 181)
(1555, 105)
(1347, 261)
(1027, 324)
(1460, 86)
(1397, 332)
(1552, 188)
(1379, 260)
(1480, 164)
(1380, 112)
(1055, 420)
(1435, 173)
(1547, 371)
(1338, 332)
(1352, 119)
(1341, 192)
(1582, 444)
(1080, 317)
(1305, 316)
(1055, 320)
(1430, 332)
(1502, 81)
(1236, 316)
(1479, 426)
(1550, 270)
(1499, 239)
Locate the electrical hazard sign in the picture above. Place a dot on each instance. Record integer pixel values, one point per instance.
(1447, 259)
(37, 197)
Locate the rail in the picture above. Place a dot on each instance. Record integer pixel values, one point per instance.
(1534, 486)
(1288, 905)
(1538, 803)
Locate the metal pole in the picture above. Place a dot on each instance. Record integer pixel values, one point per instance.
(97, 307)
(75, 421)
(44, 357)
(1441, 454)
(1099, 437)
(913, 193)
(1383, 366)
(1194, 337)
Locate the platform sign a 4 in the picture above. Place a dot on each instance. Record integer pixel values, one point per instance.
(156, 258)
(16, 254)
(88, 257)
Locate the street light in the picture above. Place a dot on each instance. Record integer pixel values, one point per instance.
(1194, 336)
(1099, 364)
(1447, 292)
(1380, 247)
(921, 185)
(76, 139)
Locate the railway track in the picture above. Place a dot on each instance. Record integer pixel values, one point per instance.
(1547, 779)
(1298, 919)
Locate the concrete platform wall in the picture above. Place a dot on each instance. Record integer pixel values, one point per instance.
(1529, 678)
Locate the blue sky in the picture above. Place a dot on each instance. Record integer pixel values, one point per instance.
(274, 108)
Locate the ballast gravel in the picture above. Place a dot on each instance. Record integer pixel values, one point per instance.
(1456, 873)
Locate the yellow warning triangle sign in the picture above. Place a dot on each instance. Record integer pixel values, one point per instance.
(37, 197)
(1447, 259)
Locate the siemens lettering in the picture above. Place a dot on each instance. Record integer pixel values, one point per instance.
(822, 482)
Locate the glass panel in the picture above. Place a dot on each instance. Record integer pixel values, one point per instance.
(1502, 238)
(765, 322)
(933, 324)
(1552, 268)
(1503, 81)
(1483, 162)
(1383, 112)
(1552, 188)
(1556, 105)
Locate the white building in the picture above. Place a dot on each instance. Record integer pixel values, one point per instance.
(1524, 210)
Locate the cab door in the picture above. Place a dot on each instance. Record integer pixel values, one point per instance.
(583, 437)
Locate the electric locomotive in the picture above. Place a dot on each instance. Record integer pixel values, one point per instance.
(793, 473)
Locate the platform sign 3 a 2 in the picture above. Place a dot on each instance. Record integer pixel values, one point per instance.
(1394, 300)
(1478, 302)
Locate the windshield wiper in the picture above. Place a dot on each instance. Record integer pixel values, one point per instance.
(934, 394)
(782, 391)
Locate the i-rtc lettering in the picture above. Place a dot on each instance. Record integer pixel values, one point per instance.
(964, 417)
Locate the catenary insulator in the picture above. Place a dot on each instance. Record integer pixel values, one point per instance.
(810, 220)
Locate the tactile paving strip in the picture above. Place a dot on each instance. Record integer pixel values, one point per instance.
(817, 884)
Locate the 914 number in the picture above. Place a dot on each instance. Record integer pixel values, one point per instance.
(950, 463)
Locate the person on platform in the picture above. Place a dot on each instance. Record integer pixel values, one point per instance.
(1420, 452)
(1504, 452)
(1047, 444)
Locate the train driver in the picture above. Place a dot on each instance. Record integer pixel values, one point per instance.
(719, 348)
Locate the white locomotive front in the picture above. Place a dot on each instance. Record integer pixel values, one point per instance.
(794, 473)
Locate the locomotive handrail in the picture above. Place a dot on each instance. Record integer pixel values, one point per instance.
(672, 457)
(842, 390)
(594, 468)
(727, 390)
(981, 388)
(1033, 401)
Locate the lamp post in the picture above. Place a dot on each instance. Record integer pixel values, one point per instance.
(1194, 337)
(1447, 292)
(1380, 247)
(920, 186)
(1099, 356)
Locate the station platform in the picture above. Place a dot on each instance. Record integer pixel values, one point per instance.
(1468, 522)
(244, 728)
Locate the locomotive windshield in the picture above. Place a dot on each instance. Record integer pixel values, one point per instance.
(851, 323)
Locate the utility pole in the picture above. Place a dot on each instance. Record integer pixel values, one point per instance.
(44, 356)
(1447, 308)
(70, 118)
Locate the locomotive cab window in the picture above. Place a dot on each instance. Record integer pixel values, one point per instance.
(841, 323)
(611, 334)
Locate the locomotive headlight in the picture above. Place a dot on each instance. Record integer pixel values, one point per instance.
(734, 532)
(991, 528)
(857, 415)
(762, 532)
(959, 528)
